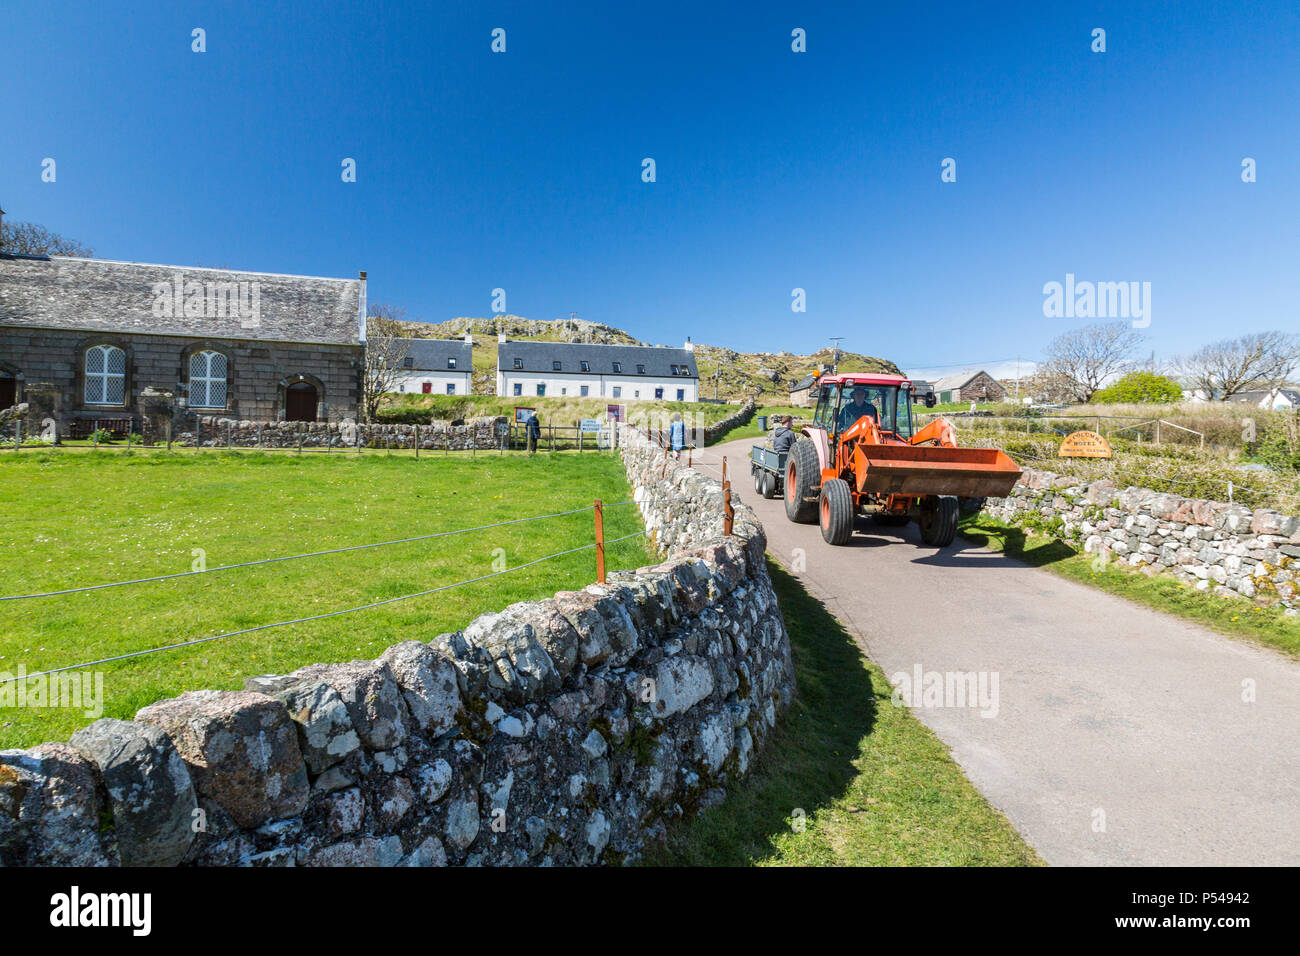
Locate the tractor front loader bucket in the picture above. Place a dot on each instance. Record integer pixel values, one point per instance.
(934, 470)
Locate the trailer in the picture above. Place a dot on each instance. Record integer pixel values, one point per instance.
(768, 467)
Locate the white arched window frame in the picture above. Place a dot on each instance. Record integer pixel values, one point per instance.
(207, 379)
(105, 375)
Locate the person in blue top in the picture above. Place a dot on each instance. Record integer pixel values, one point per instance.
(677, 435)
(534, 432)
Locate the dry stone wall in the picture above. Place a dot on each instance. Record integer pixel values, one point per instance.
(1229, 549)
(557, 732)
(214, 432)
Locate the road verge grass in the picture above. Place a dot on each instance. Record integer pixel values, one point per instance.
(846, 778)
(1241, 618)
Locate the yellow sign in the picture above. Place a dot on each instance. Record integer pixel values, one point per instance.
(1084, 445)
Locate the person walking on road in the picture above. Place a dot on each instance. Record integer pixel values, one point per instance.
(534, 433)
(677, 435)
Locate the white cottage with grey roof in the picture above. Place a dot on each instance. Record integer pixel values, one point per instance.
(248, 345)
(436, 366)
(534, 369)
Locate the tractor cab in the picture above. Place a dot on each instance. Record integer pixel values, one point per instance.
(843, 400)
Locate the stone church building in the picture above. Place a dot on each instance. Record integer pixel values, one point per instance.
(246, 345)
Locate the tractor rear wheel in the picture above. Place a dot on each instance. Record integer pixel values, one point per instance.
(836, 510)
(802, 482)
(938, 520)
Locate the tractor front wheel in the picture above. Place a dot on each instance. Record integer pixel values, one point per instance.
(938, 520)
(802, 482)
(836, 509)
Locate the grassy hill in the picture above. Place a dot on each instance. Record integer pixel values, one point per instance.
(739, 374)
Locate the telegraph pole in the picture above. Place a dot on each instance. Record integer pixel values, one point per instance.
(835, 353)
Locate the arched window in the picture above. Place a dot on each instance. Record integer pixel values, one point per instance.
(207, 379)
(105, 375)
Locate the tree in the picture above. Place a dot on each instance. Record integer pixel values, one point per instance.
(30, 239)
(1079, 361)
(1260, 360)
(1140, 386)
(386, 351)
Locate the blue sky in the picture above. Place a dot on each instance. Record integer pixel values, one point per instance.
(775, 169)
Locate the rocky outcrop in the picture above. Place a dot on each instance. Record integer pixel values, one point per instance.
(565, 731)
(1229, 549)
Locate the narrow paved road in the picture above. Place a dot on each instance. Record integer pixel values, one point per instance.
(1121, 734)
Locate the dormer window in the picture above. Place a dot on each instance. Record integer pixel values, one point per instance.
(618, 367)
(674, 372)
(640, 369)
(451, 363)
(408, 362)
(555, 366)
(586, 366)
(519, 363)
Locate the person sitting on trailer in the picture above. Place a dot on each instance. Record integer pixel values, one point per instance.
(784, 436)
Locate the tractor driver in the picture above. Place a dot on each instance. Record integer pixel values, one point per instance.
(858, 407)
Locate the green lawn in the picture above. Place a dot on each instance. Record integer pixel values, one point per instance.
(874, 785)
(1238, 618)
(77, 518)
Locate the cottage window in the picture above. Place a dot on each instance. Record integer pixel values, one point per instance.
(408, 362)
(584, 391)
(541, 388)
(555, 366)
(519, 363)
(105, 375)
(586, 366)
(207, 379)
(640, 369)
(451, 388)
(451, 363)
(659, 393)
(519, 389)
(618, 367)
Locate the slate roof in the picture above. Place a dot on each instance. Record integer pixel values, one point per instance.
(805, 382)
(430, 355)
(100, 295)
(956, 381)
(539, 357)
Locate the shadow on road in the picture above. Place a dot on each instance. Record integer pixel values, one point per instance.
(808, 761)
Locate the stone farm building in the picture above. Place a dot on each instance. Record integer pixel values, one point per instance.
(969, 387)
(248, 345)
(625, 372)
(436, 366)
(801, 392)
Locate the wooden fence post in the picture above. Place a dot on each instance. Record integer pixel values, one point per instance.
(417, 441)
(600, 542)
(728, 514)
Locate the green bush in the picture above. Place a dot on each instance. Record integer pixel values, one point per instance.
(1141, 387)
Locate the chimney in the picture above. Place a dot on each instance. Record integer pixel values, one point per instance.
(689, 346)
(501, 338)
(469, 338)
(361, 308)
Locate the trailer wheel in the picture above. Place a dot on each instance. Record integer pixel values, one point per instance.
(758, 482)
(802, 482)
(938, 520)
(769, 485)
(836, 510)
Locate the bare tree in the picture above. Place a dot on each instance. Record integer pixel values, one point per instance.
(1080, 361)
(30, 239)
(1260, 360)
(386, 351)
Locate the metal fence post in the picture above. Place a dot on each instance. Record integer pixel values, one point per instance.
(417, 441)
(600, 542)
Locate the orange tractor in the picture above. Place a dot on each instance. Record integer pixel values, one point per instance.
(860, 456)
